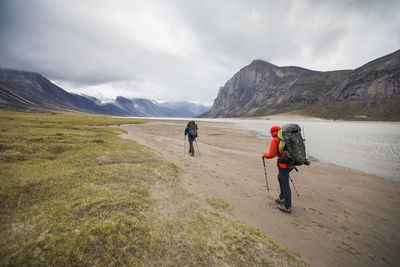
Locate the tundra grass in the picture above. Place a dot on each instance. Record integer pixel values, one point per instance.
(73, 192)
(388, 110)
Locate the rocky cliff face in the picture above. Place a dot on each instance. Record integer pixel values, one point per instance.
(262, 85)
(376, 80)
(262, 88)
(256, 85)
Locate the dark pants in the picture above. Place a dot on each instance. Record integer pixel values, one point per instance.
(191, 149)
(286, 193)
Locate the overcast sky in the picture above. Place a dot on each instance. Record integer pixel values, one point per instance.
(172, 50)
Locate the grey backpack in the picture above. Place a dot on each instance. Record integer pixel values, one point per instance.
(192, 129)
(293, 145)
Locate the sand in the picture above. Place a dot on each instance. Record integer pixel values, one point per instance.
(342, 218)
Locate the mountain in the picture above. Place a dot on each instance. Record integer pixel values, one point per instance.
(21, 90)
(138, 107)
(150, 108)
(376, 80)
(28, 90)
(262, 88)
(184, 109)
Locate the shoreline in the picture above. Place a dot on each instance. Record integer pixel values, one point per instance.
(295, 116)
(343, 217)
(282, 116)
(318, 129)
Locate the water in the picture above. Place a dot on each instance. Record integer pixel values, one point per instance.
(371, 147)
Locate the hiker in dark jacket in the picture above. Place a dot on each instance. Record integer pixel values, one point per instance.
(191, 137)
(285, 198)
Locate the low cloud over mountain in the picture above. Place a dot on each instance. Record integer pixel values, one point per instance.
(22, 90)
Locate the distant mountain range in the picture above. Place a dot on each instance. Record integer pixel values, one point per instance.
(371, 91)
(21, 90)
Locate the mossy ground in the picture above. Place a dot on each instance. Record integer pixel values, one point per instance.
(388, 110)
(73, 192)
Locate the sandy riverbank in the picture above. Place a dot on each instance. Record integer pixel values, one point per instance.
(343, 217)
(291, 116)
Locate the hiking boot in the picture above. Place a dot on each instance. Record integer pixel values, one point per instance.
(283, 208)
(279, 201)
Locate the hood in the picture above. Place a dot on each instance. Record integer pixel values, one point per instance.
(274, 130)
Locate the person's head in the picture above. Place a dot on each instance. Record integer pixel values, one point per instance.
(274, 130)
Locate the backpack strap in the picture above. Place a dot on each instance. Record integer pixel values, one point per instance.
(282, 142)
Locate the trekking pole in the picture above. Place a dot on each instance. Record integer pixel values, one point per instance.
(304, 139)
(265, 171)
(294, 187)
(184, 144)
(197, 147)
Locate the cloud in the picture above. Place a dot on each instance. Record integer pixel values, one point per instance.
(186, 50)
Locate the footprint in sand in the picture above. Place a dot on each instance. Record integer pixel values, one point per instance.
(345, 228)
(318, 225)
(303, 229)
(348, 249)
(312, 209)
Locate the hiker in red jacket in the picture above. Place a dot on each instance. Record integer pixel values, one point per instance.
(285, 197)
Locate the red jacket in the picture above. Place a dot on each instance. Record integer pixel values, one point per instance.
(274, 150)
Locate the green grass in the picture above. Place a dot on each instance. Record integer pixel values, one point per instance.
(388, 110)
(218, 204)
(73, 192)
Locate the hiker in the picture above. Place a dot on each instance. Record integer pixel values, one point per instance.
(284, 200)
(191, 132)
